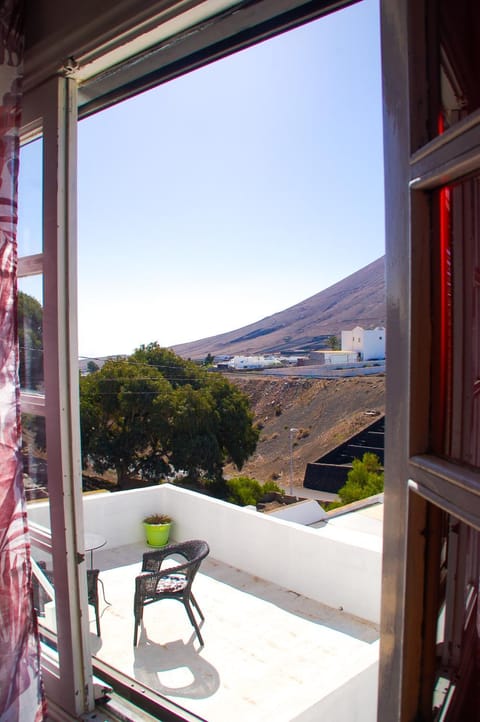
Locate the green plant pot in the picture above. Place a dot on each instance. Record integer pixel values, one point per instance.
(157, 534)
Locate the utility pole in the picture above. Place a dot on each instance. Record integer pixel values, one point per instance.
(291, 433)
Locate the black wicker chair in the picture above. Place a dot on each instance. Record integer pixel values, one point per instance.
(170, 582)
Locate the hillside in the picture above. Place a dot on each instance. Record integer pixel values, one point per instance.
(358, 300)
(326, 412)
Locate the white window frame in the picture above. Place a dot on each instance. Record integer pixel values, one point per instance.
(51, 112)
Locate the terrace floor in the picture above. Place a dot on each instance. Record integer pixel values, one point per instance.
(269, 654)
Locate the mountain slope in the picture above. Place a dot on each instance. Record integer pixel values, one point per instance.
(358, 300)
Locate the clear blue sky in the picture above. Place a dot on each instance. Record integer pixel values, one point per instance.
(231, 193)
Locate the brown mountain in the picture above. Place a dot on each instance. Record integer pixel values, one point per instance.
(358, 300)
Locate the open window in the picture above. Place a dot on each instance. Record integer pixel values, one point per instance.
(430, 636)
(121, 57)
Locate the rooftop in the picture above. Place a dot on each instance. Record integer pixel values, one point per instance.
(291, 612)
(269, 654)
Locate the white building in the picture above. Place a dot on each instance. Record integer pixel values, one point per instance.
(253, 362)
(340, 357)
(367, 344)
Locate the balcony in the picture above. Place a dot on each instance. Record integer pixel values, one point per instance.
(291, 611)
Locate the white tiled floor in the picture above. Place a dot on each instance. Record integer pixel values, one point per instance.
(269, 653)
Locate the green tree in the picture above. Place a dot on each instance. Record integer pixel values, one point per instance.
(236, 433)
(154, 411)
(364, 479)
(92, 367)
(175, 369)
(195, 446)
(126, 413)
(333, 343)
(30, 341)
(214, 423)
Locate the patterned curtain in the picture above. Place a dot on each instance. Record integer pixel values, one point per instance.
(21, 695)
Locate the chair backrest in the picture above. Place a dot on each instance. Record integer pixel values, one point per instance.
(192, 551)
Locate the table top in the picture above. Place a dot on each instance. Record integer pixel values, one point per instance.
(93, 541)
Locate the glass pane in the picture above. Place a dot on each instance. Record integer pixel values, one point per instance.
(34, 457)
(43, 585)
(30, 190)
(456, 331)
(30, 332)
(35, 481)
(459, 60)
(457, 631)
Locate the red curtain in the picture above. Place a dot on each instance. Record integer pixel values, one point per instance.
(21, 694)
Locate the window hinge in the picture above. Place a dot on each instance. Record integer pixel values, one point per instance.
(70, 67)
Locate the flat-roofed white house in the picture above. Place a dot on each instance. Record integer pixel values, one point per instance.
(253, 362)
(369, 343)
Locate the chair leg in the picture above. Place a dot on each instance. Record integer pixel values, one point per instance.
(135, 631)
(195, 604)
(97, 618)
(138, 621)
(193, 620)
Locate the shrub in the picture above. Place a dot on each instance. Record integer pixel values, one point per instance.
(363, 480)
(244, 491)
(270, 486)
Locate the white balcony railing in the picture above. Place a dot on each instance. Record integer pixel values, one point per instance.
(336, 566)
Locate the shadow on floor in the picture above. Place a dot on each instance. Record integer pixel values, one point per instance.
(175, 669)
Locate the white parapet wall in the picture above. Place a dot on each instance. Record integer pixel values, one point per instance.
(338, 567)
(355, 699)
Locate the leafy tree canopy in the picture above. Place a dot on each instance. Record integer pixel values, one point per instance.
(126, 414)
(175, 369)
(333, 343)
(92, 366)
(155, 411)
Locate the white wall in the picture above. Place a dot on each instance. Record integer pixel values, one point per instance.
(353, 701)
(353, 340)
(370, 343)
(337, 357)
(338, 567)
(374, 344)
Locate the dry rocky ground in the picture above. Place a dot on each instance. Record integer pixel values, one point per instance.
(325, 412)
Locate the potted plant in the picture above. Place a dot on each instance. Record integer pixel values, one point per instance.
(157, 529)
